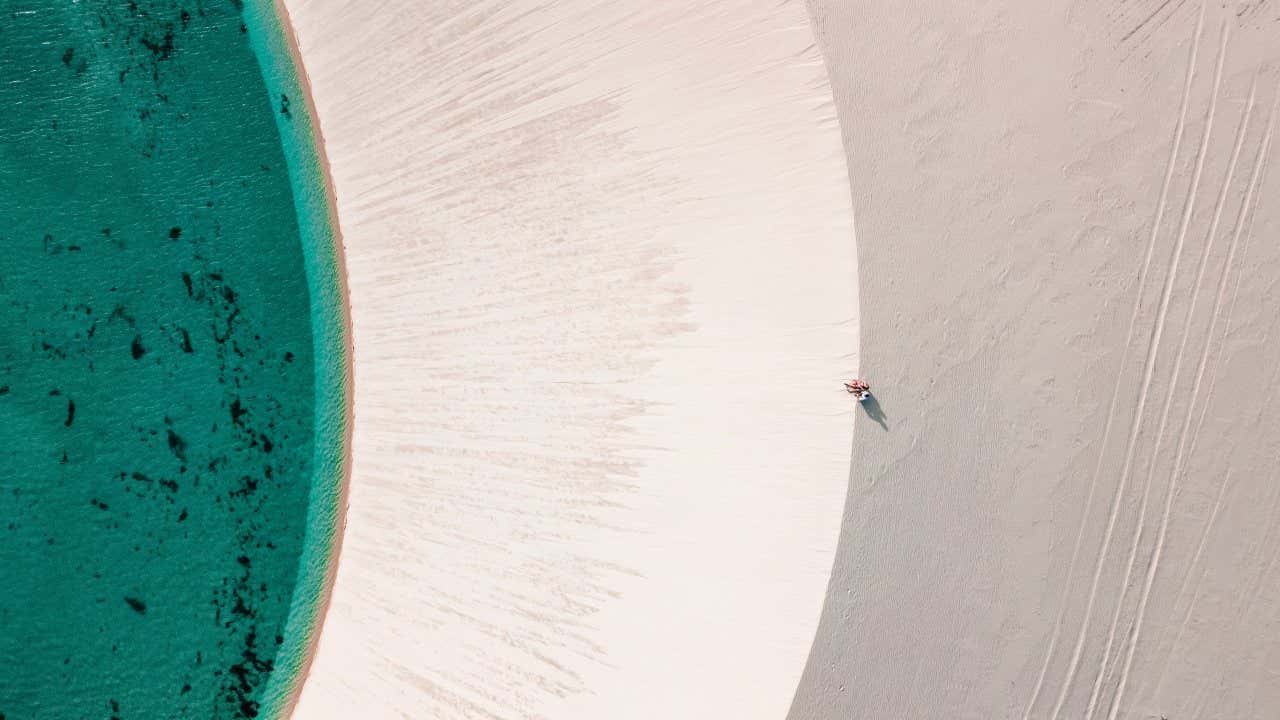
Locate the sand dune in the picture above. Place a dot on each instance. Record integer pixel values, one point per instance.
(1067, 236)
(603, 292)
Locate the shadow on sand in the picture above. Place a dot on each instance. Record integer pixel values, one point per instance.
(872, 408)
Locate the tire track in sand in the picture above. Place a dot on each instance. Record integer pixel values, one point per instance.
(1215, 363)
(1226, 330)
(1149, 366)
(1205, 533)
(1143, 276)
(1267, 539)
(1158, 551)
(1170, 393)
(1264, 539)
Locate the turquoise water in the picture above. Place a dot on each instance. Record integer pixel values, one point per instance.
(171, 362)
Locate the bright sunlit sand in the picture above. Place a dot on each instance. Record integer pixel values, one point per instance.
(603, 293)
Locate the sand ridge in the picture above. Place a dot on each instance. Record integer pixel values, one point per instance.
(603, 293)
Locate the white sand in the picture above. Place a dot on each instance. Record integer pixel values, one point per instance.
(603, 289)
(1068, 252)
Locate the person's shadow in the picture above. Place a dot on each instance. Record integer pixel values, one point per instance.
(872, 408)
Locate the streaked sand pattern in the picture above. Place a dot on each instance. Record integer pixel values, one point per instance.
(603, 292)
(1067, 235)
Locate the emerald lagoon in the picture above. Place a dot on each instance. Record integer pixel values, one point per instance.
(173, 384)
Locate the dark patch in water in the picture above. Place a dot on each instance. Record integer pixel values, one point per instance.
(161, 48)
(177, 445)
(237, 412)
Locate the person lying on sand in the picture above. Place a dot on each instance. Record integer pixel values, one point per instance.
(858, 388)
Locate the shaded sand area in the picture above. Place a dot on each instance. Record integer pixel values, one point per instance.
(1068, 228)
(603, 293)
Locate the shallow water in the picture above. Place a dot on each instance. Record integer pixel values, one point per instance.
(157, 372)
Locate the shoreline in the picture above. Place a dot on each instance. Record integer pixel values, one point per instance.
(273, 37)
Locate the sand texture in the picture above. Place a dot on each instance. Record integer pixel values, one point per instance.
(603, 292)
(1067, 226)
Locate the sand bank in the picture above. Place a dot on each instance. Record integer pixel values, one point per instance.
(1067, 225)
(603, 291)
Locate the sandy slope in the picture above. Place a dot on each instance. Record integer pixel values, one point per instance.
(603, 291)
(1068, 228)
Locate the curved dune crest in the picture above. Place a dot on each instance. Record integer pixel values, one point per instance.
(603, 291)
